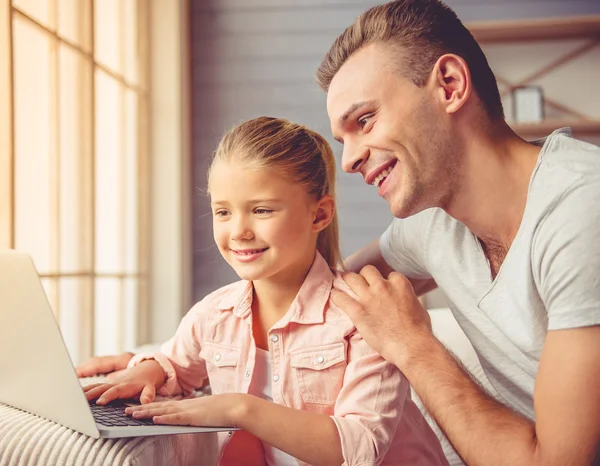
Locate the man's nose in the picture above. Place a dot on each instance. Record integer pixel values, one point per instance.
(353, 158)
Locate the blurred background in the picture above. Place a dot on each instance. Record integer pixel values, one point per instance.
(110, 110)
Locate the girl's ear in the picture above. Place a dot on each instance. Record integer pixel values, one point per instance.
(324, 213)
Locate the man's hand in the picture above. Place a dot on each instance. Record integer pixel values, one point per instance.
(111, 365)
(387, 313)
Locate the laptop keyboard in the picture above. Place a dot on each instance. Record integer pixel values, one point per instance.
(113, 415)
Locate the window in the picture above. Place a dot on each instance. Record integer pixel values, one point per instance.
(74, 162)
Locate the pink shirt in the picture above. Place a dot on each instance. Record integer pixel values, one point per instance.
(320, 363)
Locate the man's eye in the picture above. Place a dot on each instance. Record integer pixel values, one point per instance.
(362, 121)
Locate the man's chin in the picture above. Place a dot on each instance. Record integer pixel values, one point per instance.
(404, 209)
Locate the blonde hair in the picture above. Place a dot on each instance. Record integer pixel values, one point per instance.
(419, 31)
(302, 155)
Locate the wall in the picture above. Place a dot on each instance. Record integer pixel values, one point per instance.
(169, 167)
(258, 57)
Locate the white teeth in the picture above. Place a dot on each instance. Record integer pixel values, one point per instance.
(249, 253)
(379, 179)
(382, 176)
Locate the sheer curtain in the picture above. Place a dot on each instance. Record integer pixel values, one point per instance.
(74, 162)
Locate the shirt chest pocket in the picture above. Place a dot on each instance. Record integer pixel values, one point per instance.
(320, 372)
(221, 365)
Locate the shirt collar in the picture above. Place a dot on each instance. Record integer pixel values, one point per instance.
(313, 296)
(307, 308)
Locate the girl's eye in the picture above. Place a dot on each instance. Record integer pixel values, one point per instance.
(263, 211)
(221, 213)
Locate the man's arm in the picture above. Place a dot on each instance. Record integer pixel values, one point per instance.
(482, 430)
(567, 404)
(371, 255)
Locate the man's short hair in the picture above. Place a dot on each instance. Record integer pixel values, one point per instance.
(419, 31)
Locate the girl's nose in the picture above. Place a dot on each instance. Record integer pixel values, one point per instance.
(242, 231)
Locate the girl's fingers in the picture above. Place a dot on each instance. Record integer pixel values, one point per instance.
(151, 412)
(87, 388)
(158, 404)
(180, 419)
(114, 375)
(148, 413)
(148, 394)
(168, 412)
(164, 405)
(119, 391)
(96, 392)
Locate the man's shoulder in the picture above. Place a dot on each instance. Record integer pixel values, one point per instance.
(564, 200)
(567, 177)
(567, 160)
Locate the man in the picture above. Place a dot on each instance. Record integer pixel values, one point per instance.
(504, 227)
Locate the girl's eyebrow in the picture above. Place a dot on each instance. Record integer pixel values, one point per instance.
(261, 200)
(249, 201)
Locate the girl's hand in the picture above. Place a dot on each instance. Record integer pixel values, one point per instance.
(141, 380)
(207, 411)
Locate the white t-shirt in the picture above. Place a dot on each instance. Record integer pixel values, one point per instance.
(261, 386)
(549, 280)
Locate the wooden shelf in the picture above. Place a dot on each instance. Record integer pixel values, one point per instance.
(570, 27)
(544, 128)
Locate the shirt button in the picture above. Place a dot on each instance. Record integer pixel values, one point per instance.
(320, 360)
(275, 378)
(217, 357)
(274, 338)
(247, 374)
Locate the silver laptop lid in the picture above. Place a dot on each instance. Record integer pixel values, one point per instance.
(37, 372)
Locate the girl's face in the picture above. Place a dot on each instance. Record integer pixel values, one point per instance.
(264, 225)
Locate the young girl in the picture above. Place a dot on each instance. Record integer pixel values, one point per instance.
(283, 362)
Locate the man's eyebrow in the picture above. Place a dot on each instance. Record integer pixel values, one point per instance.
(354, 107)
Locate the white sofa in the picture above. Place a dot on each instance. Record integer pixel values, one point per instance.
(29, 440)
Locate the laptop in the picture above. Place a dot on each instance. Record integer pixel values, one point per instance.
(37, 373)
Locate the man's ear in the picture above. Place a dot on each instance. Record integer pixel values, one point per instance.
(324, 213)
(452, 79)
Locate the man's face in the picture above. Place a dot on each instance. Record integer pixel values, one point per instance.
(394, 133)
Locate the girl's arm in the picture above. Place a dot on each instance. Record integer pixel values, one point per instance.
(310, 437)
(178, 357)
(367, 412)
